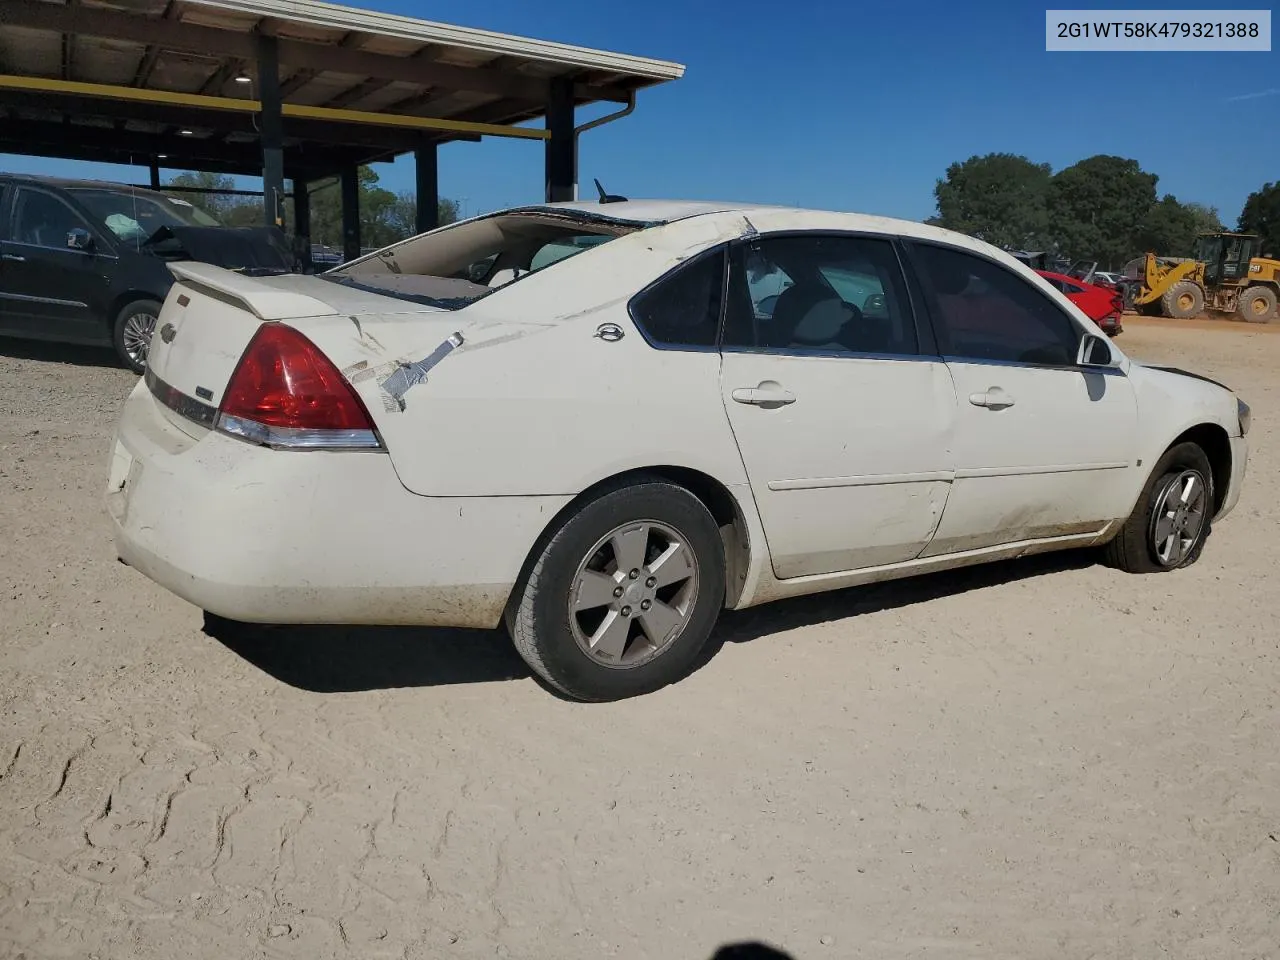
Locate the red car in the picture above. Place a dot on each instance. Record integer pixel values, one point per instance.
(1102, 304)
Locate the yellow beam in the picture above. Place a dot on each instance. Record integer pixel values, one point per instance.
(402, 121)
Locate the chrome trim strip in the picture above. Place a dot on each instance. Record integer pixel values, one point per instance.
(295, 438)
(49, 300)
(867, 480)
(40, 246)
(833, 354)
(978, 472)
(1065, 367)
(181, 404)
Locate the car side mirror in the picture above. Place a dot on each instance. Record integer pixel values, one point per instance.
(1094, 352)
(80, 239)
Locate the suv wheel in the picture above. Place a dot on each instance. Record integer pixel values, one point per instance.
(131, 333)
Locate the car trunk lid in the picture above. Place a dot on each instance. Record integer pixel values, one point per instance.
(383, 345)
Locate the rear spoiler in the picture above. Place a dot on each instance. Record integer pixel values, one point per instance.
(263, 300)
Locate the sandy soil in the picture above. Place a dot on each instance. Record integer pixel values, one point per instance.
(1040, 759)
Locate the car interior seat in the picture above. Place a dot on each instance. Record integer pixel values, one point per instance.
(793, 305)
(826, 326)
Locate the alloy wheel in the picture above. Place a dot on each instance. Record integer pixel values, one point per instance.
(633, 594)
(1178, 518)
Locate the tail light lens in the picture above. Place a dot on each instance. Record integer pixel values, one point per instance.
(286, 393)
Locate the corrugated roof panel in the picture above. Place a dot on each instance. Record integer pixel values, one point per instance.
(33, 52)
(105, 62)
(328, 15)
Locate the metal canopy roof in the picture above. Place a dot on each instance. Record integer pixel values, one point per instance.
(128, 80)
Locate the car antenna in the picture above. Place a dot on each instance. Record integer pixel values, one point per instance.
(608, 197)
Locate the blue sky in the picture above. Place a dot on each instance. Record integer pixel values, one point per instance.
(860, 106)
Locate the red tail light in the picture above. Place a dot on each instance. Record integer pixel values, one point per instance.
(286, 393)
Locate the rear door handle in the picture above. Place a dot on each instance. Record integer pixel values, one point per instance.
(994, 399)
(13, 258)
(767, 394)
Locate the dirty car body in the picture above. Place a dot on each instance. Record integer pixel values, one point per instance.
(603, 423)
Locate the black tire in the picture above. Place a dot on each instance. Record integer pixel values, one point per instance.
(123, 331)
(1134, 548)
(1183, 300)
(539, 617)
(1257, 305)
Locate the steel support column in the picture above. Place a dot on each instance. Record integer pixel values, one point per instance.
(350, 212)
(155, 175)
(272, 129)
(427, 177)
(561, 163)
(302, 223)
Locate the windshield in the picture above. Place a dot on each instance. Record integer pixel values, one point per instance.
(134, 215)
(458, 265)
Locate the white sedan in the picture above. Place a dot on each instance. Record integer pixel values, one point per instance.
(604, 423)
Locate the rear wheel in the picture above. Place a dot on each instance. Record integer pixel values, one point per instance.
(1183, 300)
(622, 598)
(1256, 304)
(131, 334)
(1171, 519)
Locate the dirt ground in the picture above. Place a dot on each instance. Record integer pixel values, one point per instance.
(1040, 759)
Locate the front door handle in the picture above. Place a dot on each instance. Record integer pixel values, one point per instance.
(13, 257)
(994, 399)
(767, 394)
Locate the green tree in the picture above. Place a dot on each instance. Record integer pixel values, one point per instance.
(1098, 206)
(224, 207)
(385, 217)
(1170, 228)
(1207, 218)
(1261, 215)
(999, 198)
(403, 216)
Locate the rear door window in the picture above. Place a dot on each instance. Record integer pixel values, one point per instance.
(825, 293)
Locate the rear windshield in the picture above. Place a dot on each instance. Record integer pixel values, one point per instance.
(456, 266)
(134, 215)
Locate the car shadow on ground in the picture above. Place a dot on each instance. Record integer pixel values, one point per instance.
(753, 950)
(58, 353)
(339, 659)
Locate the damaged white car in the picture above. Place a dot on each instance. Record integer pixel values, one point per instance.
(604, 423)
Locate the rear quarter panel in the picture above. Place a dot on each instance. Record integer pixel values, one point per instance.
(533, 403)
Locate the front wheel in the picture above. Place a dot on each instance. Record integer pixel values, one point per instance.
(1183, 300)
(622, 598)
(131, 333)
(1170, 522)
(1257, 304)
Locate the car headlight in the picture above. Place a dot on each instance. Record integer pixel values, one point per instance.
(1242, 410)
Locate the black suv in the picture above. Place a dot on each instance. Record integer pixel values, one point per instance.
(86, 262)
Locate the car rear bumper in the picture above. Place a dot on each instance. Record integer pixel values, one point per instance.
(269, 536)
(1239, 461)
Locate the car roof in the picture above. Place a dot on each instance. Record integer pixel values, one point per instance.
(67, 183)
(656, 211)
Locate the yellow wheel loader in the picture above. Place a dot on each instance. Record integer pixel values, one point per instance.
(1226, 275)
